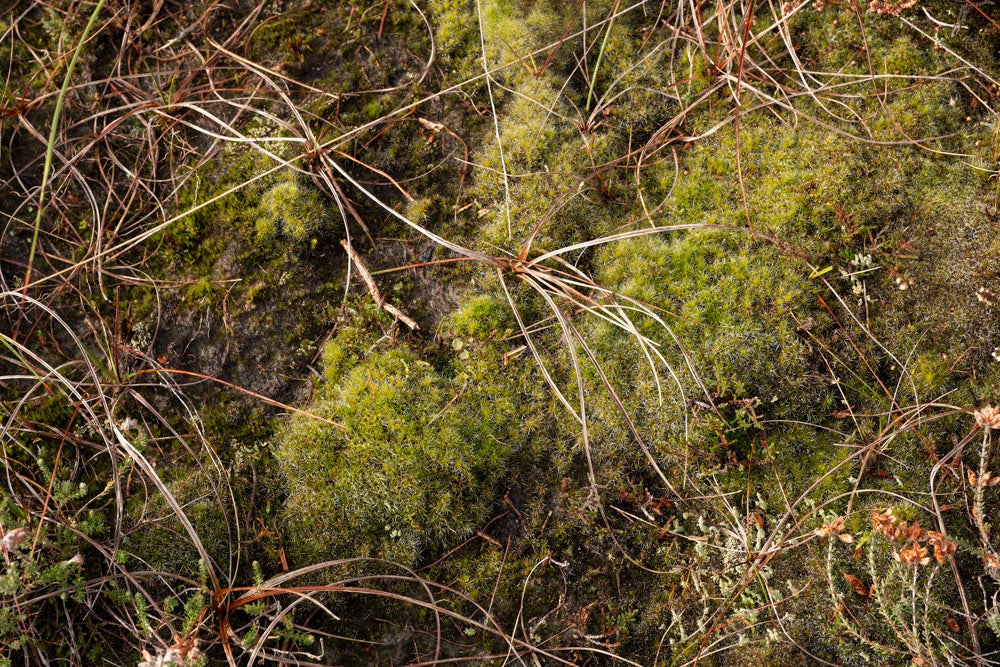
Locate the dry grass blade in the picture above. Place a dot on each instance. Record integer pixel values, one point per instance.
(166, 418)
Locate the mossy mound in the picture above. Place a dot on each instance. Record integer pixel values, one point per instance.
(288, 207)
(803, 348)
(419, 450)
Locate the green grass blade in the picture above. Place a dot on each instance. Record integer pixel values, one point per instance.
(50, 148)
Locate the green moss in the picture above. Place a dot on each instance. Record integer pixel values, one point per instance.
(454, 29)
(200, 292)
(419, 209)
(782, 359)
(748, 314)
(481, 317)
(290, 208)
(372, 110)
(158, 540)
(417, 458)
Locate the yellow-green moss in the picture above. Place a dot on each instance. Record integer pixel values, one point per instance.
(291, 208)
(419, 453)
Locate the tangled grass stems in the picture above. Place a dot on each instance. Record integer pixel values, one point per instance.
(53, 133)
(214, 112)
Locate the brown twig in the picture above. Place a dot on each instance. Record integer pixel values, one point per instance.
(373, 288)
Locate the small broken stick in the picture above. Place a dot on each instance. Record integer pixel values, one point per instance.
(373, 288)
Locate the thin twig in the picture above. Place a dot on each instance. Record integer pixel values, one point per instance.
(380, 300)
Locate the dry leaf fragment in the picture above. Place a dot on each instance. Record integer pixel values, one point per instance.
(858, 586)
(431, 125)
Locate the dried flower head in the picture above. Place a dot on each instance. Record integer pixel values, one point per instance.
(129, 424)
(914, 554)
(943, 547)
(884, 522)
(987, 479)
(901, 531)
(183, 653)
(835, 527)
(912, 534)
(915, 532)
(988, 417)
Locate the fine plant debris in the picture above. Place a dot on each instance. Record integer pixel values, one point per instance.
(500, 332)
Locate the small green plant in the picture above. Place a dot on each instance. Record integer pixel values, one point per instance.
(290, 208)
